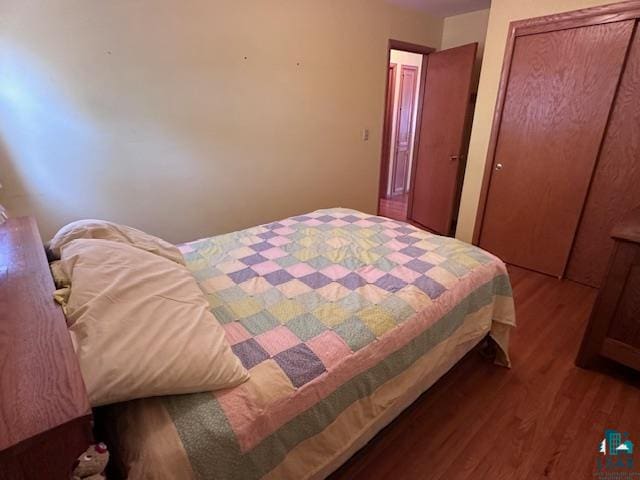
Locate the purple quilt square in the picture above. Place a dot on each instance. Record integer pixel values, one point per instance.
(300, 364)
(377, 219)
(259, 247)
(413, 251)
(273, 226)
(242, 275)
(350, 218)
(326, 218)
(418, 265)
(278, 277)
(250, 353)
(429, 286)
(390, 283)
(267, 235)
(301, 218)
(352, 281)
(253, 259)
(407, 239)
(315, 280)
(405, 230)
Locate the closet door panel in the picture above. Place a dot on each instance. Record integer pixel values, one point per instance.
(615, 188)
(559, 94)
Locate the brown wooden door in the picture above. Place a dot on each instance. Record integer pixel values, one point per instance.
(404, 128)
(615, 188)
(434, 183)
(559, 94)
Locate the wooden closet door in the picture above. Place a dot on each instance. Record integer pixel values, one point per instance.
(559, 94)
(615, 188)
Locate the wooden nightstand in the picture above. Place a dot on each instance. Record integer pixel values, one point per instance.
(614, 327)
(45, 417)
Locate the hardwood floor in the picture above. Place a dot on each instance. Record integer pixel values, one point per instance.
(543, 418)
(394, 207)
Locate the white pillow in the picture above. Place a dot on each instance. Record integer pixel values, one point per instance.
(141, 326)
(102, 229)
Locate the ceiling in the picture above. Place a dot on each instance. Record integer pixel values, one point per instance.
(444, 8)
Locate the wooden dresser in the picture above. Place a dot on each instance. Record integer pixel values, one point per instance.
(45, 417)
(614, 327)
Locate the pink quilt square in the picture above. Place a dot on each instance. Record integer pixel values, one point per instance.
(404, 273)
(235, 332)
(284, 231)
(398, 257)
(338, 222)
(266, 267)
(390, 224)
(329, 347)
(395, 245)
(278, 241)
(363, 223)
(273, 253)
(277, 340)
(335, 272)
(185, 248)
(300, 270)
(370, 274)
(313, 222)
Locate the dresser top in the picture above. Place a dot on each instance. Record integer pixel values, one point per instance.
(41, 385)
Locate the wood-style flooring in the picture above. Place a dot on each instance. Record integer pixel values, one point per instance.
(394, 207)
(542, 419)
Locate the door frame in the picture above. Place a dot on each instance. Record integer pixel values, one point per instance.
(578, 18)
(412, 128)
(385, 152)
(388, 115)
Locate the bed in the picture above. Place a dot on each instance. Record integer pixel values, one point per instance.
(343, 319)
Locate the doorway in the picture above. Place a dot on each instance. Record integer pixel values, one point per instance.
(427, 107)
(401, 114)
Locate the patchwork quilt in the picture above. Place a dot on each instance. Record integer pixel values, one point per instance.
(337, 315)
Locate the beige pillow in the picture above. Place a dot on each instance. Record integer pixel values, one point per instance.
(141, 326)
(102, 229)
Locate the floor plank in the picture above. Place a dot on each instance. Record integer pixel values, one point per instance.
(543, 418)
(394, 207)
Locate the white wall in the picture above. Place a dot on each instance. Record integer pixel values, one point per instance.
(400, 58)
(467, 28)
(193, 118)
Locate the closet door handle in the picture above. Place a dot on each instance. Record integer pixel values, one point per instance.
(498, 166)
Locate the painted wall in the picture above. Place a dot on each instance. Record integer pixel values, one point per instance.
(467, 28)
(400, 58)
(501, 14)
(192, 118)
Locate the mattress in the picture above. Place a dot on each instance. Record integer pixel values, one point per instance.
(343, 319)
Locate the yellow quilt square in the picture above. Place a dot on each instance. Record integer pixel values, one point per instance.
(443, 277)
(378, 319)
(215, 284)
(241, 252)
(245, 307)
(415, 297)
(372, 293)
(305, 254)
(286, 310)
(331, 314)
